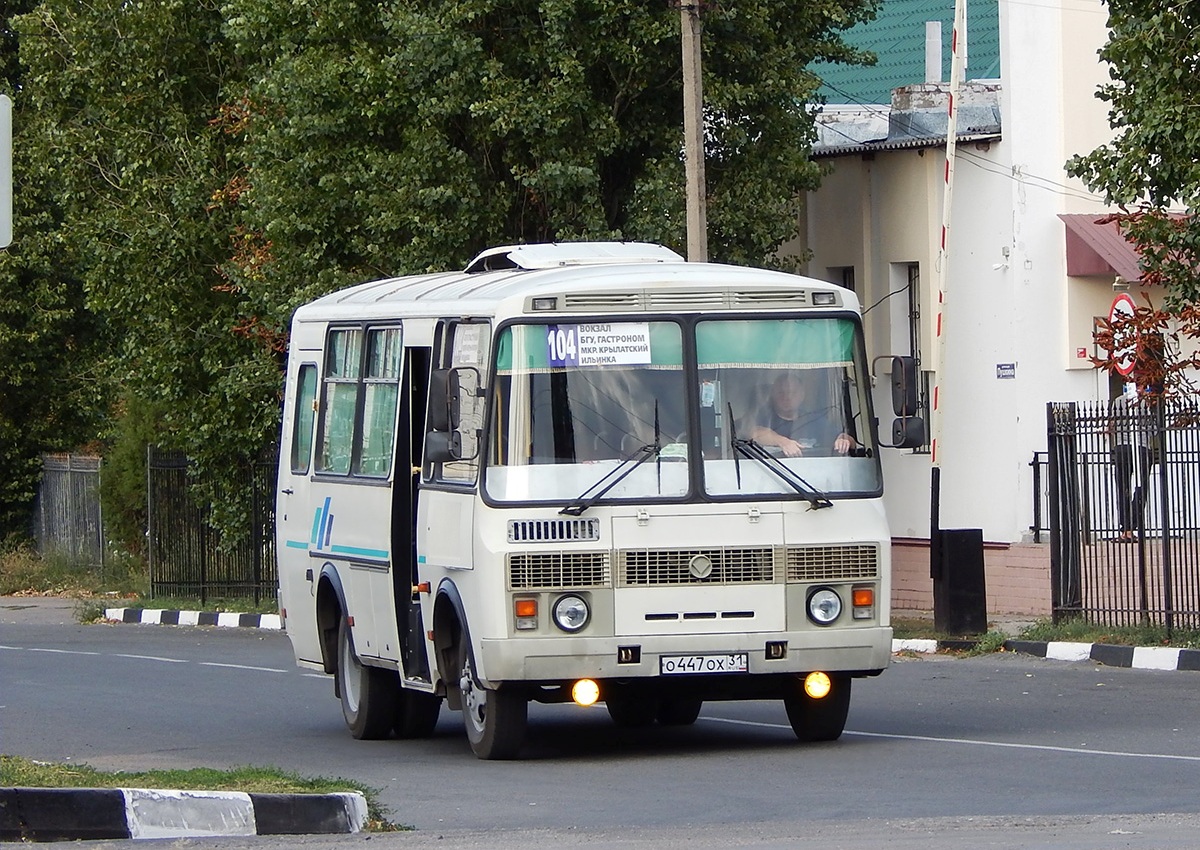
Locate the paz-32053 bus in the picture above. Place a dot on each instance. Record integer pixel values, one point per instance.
(556, 476)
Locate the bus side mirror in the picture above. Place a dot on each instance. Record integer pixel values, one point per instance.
(444, 400)
(908, 432)
(443, 446)
(904, 386)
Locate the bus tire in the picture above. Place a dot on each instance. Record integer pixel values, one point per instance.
(679, 711)
(632, 712)
(494, 719)
(819, 719)
(416, 714)
(368, 694)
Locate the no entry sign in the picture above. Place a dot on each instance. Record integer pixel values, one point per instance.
(1125, 341)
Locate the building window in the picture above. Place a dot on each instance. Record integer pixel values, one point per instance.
(843, 276)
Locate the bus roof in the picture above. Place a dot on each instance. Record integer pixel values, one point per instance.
(578, 277)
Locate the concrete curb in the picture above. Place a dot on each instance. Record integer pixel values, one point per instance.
(1111, 655)
(162, 617)
(72, 814)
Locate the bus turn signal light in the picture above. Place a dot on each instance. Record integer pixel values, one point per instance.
(864, 602)
(525, 612)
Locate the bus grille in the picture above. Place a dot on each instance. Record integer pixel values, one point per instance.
(648, 567)
(832, 563)
(553, 570)
(552, 530)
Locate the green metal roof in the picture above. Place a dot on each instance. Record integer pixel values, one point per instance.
(897, 38)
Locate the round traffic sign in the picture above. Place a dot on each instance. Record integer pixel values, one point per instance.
(1125, 341)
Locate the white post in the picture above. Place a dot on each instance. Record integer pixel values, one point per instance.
(958, 50)
(6, 181)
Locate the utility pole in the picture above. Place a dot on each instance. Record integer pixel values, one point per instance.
(693, 132)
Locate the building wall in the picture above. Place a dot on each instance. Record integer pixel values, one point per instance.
(1014, 324)
(1018, 331)
(1016, 577)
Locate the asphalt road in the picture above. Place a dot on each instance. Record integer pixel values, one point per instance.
(981, 746)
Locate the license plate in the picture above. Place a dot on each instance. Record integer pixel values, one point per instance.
(735, 662)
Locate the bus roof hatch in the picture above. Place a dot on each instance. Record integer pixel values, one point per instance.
(553, 255)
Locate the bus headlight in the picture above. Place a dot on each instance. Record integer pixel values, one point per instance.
(824, 606)
(571, 613)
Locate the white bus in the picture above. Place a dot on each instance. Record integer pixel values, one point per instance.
(551, 477)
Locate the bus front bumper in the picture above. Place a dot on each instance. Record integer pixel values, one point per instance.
(858, 651)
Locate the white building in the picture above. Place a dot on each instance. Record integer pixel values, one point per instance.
(1018, 318)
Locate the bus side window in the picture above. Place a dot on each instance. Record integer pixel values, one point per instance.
(343, 366)
(381, 394)
(304, 417)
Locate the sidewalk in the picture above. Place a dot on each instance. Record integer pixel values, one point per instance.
(38, 610)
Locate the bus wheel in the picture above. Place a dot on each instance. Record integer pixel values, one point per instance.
(368, 693)
(679, 711)
(632, 712)
(416, 714)
(819, 719)
(494, 719)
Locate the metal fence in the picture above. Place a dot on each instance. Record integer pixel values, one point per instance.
(67, 519)
(1125, 522)
(188, 556)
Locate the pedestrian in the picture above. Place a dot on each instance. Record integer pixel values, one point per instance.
(1129, 431)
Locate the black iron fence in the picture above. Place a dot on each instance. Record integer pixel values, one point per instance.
(1124, 512)
(188, 555)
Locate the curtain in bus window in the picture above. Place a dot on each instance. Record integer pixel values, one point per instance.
(342, 369)
(302, 422)
(381, 393)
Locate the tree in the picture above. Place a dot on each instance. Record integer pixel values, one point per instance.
(218, 163)
(1150, 169)
(50, 383)
(125, 96)
(401, 137)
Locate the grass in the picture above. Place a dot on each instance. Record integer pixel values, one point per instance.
(1075, 630)
(19, 772)
(122, 582)
(25, 573)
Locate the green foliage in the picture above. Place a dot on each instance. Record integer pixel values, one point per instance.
(193, 171)
(1150, 166)
(136, 425)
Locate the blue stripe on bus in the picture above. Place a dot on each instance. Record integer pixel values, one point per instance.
(296, 544)
(354, 550)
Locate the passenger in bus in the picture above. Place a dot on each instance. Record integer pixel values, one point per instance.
(797, 428)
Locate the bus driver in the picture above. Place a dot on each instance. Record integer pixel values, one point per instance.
(784, 422)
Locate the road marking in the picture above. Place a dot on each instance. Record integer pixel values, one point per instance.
(141, 658)
(972, 742)
(55, 651)
(240, 667)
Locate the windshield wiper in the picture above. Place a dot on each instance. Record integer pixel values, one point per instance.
(751, 448)
(614, 477)
(619, 473)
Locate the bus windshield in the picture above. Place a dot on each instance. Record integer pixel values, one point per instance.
(784, 408)
(571, 403)
(608, 411)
